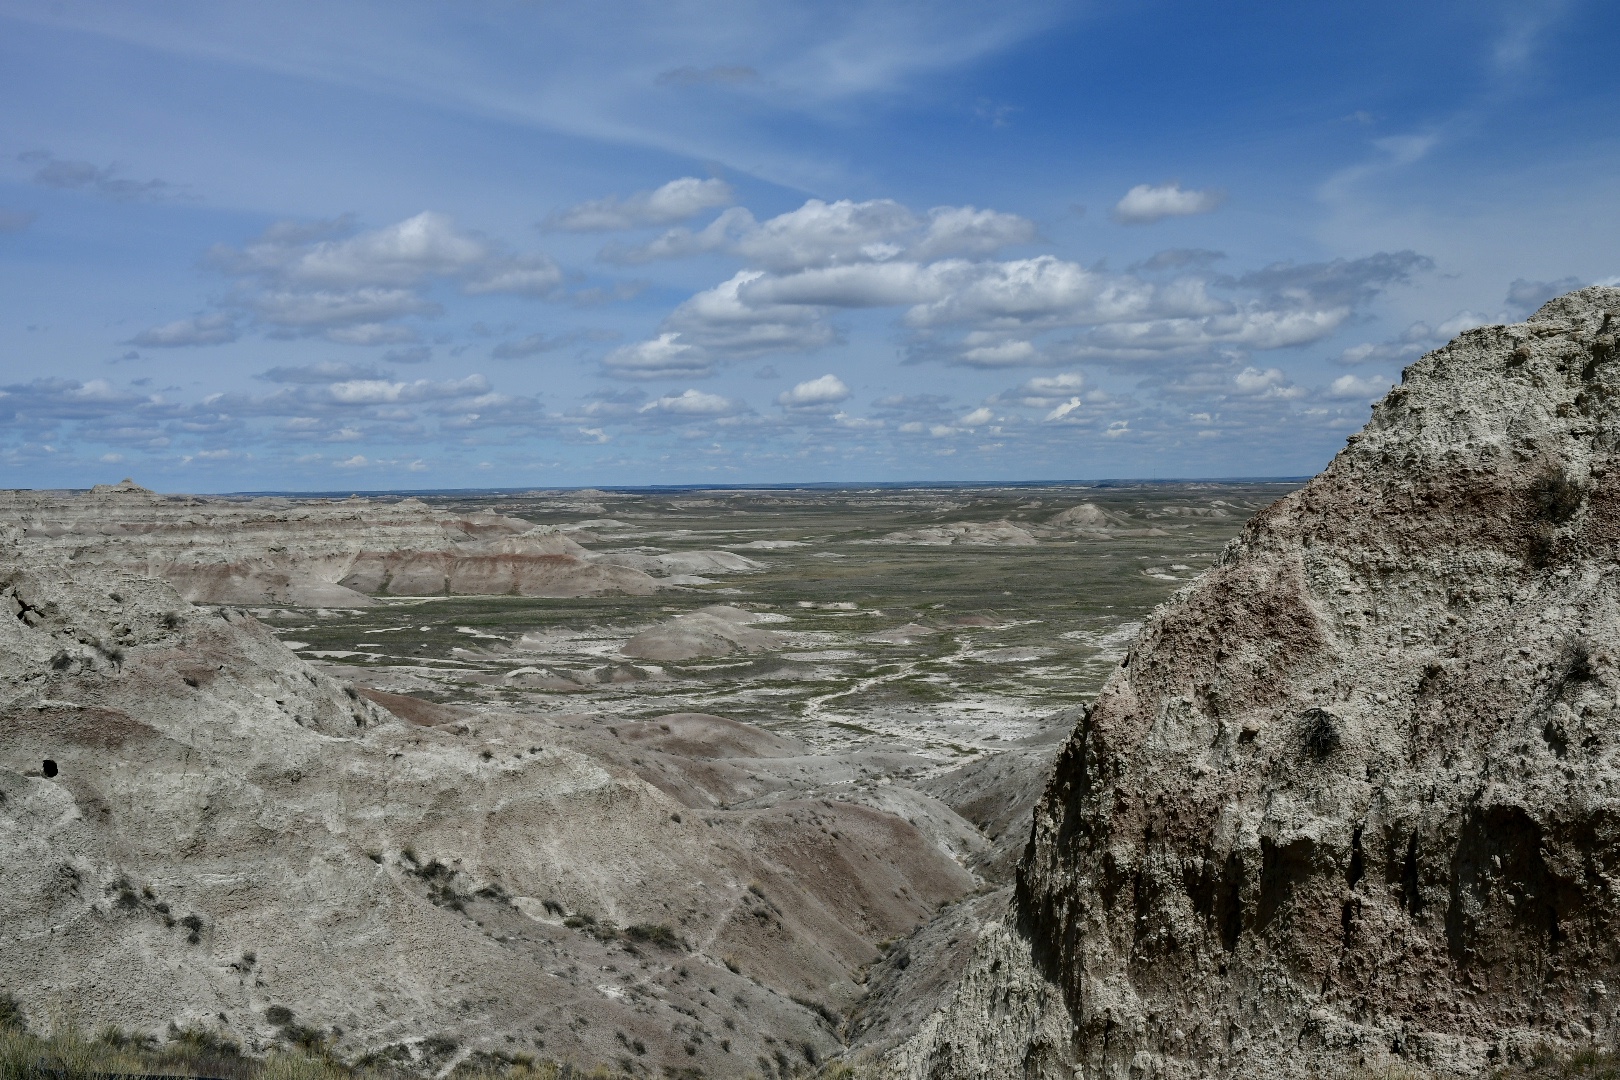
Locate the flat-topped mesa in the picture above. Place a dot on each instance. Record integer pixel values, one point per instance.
(328, 553)
(1349, 799)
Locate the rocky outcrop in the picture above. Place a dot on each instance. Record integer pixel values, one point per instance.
(984, 533)
(1350, 799)
(200, 831)
(717, 630)
(313, 553)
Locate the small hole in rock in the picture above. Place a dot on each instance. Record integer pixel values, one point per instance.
(48, 769)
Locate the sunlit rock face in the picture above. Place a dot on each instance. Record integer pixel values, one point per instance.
(312, 552)
(1351, 798)
(199, 830)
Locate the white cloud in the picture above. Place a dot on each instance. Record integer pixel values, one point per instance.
(966, 230)
(405, 253)
(1352, 386)
(691, 403)
(675, 201)
(1064, 409)
(299, 279)
(1253, 382)
(1015, 353)
(1067, 382)
(666, 356)
(821, 393)
(1147, 203)
(384, 391)
(532, 275)
(977, 418)
(821, 234)
(723, 321)
(320, 309)
(216, 329)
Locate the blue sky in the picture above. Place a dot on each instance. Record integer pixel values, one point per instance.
(367, 245)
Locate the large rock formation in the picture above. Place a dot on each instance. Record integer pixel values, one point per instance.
(1353, 797)
(333, 553)
(197, 829)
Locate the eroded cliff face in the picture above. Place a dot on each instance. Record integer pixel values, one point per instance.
(200, 830)
(1352, 796)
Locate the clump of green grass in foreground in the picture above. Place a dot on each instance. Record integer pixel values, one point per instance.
(1589, 1064)
(1592, 1063)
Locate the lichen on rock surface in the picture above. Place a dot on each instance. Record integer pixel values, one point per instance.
(1350, 799)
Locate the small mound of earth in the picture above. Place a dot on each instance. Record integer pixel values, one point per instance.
(713, 631)
(986, 533)
(1085, 516)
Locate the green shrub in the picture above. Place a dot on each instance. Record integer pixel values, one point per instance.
(655, 934)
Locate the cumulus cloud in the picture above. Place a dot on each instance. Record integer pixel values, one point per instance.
(977, 418)
(839, 233)
(992, 313)
(1063, 409)
(664, 357)
(1353, 386)
(1524, 297)
(324, 278)
(1271, 382)
(1413, 342)
(675, 201)
(722, 321)
(1338, 282)
(691, 403)
(215, 329)
(1045, 392)
(815, 394)
(1147, 203)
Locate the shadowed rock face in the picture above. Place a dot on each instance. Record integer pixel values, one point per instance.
(1350, 798)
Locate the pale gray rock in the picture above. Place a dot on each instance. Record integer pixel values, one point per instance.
(713, 631)
(1352, 799)
(311, 552)
(196, 826)
(982, 533)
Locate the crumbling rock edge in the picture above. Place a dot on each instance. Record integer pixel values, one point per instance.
(1349, 801)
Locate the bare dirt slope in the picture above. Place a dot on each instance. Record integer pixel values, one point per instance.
(1349, 799)
(196, 826)
(330, 553)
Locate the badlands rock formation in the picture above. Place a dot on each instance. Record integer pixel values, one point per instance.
(197, 829)
(331, 553)
(717, 630)
(990, 533)
(1353, 797)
